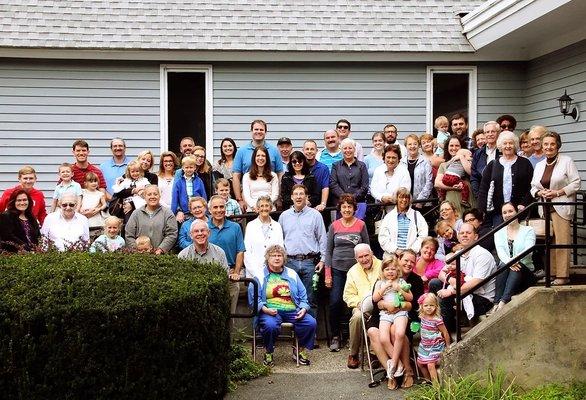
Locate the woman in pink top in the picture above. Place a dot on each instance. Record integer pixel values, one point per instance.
(427, 266)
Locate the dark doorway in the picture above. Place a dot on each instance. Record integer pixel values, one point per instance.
(450, 95)
(186, 108)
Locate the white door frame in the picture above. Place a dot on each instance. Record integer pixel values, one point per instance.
(472, 93)
(209, 112)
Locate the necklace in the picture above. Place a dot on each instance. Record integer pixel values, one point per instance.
(411, 162)
(552, 162)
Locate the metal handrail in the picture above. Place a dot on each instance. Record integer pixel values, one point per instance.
(548, 246)
(254, 311)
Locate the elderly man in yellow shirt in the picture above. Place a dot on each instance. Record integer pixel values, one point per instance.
(359, 283)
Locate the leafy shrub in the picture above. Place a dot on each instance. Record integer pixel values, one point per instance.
(242, 367)
(115, 326)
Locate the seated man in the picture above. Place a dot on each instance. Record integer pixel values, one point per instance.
(282, 298)
(359, 283)
(407, 263)
(476, 265)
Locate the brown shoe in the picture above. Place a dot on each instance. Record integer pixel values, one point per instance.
(353, 361)
(392, 384)
(407, 381)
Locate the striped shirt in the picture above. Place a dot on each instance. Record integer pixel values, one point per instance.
(403, 230)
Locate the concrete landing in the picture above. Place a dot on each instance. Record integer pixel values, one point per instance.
(539, 337)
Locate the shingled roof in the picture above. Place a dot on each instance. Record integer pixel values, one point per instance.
(242, 25)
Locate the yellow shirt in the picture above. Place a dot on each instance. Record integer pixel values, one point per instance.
(359, 283)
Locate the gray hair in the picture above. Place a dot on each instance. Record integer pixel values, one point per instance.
(360, 247)
(507, 135)
(275, 248)
(198, 222)
(349, 141)
(486, 124)
(264, 198)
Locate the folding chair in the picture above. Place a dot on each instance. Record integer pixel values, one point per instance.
(287, 332)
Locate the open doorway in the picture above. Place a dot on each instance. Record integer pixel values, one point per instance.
(187, 106)
(451, 90)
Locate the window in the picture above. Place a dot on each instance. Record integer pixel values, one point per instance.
(451, 90)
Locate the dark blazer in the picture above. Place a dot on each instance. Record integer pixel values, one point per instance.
(522, 173)
(478, 167)
(12, 236)
(309, 182)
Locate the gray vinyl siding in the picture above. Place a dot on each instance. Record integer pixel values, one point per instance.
(547, 78)
(302, 101)
(45, 106)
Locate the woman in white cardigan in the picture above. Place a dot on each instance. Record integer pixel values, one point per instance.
(509, 242)
(557, 179)
(389, 177)
(261, 233)
(402, 228)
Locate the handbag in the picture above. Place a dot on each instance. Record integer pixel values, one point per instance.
(116, 207)
(538, 225)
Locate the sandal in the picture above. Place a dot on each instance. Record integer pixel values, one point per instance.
(392, 384)
(560, 282)
(408, 381)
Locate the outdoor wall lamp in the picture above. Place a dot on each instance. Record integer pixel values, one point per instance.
(566, 107)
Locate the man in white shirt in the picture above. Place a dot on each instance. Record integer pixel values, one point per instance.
(476, 264)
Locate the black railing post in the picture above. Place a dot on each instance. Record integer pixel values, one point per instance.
(547, 218)
(458, 302)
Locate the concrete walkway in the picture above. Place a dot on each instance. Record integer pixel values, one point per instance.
(327, 377)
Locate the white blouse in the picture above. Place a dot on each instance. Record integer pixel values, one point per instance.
(253, 189)
(257, 239)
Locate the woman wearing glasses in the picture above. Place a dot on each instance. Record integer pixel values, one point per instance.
(203, 169)
(19, 229)
(298, 172)
(65, 229)
(168, 163)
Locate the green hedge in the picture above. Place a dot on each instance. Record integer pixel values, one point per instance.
(112, 326)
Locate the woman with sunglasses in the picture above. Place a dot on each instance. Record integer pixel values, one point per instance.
(65, 229)
(19, 229)
(298, 172)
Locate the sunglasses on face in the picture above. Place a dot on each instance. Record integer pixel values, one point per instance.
(297, 162)
(343, 127)
(65, 205)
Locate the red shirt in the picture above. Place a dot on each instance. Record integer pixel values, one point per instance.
(79, 175)
(38, 210)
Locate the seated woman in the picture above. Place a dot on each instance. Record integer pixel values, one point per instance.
(198, 207)
(282, 298)
(402, 228)
(19, 229)
(509, 242)
(152, 220)
(299, 172)
(261, 233)
(427, 266)
(65, 229)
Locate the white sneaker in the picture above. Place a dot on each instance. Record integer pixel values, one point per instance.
(391, 368)
(400, 370)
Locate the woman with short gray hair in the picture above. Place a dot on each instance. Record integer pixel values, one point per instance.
(505, 179)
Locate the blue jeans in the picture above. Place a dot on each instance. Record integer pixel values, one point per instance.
(270, 327)
(509, 283)
(305, 269)
(337, 305)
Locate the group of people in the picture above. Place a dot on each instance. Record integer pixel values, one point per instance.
(189, 205)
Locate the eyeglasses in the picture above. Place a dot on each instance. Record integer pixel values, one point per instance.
(343, 127)
(468, 220)
(505, 126)
(65, 205)
(199, 156)
(296, 161)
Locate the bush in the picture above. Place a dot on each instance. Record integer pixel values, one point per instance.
(116, 326)
(243, 368)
